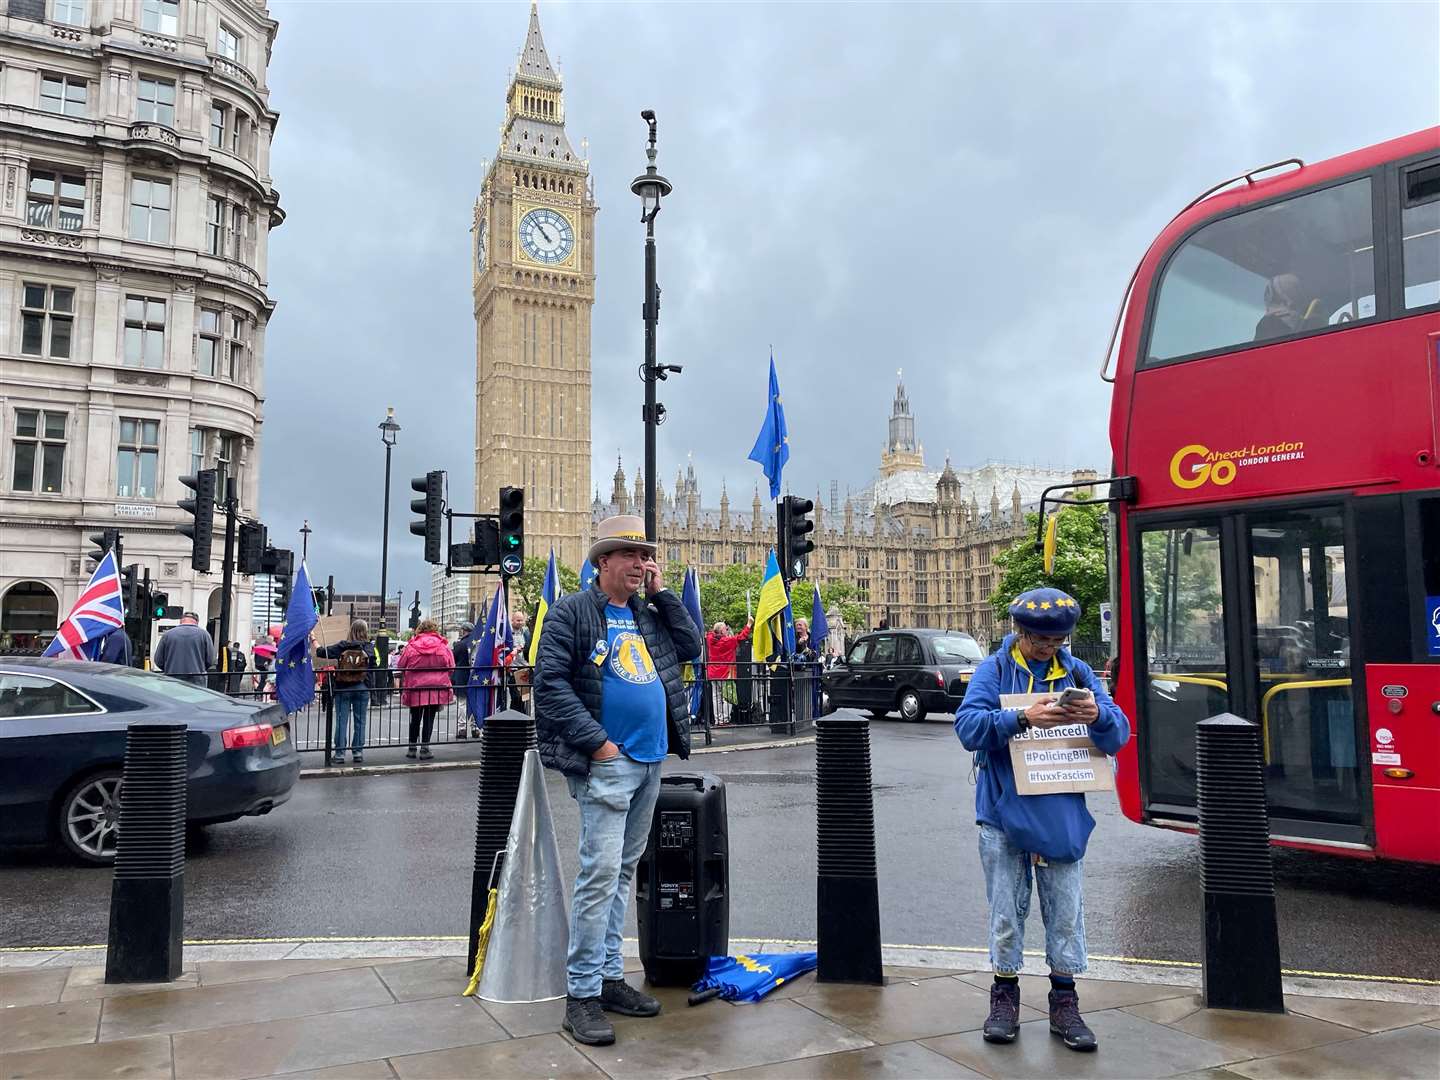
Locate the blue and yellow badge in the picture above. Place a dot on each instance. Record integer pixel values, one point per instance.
(598, 654)
(630, 659)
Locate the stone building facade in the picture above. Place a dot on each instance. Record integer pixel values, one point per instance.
(534, 285)
(135, 211)
(919, 544)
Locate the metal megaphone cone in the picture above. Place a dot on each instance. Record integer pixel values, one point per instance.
(525, 961)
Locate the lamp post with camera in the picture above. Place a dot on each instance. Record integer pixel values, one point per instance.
(389, 429)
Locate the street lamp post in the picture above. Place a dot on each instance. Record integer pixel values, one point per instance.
(388, 430)
(305, 532)
(651, 187)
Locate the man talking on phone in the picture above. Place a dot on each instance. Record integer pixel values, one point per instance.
(610, 703)
(1039, 835)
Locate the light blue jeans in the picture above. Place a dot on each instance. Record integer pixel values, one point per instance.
(617, 803)
(351, 703)
(1062, 906)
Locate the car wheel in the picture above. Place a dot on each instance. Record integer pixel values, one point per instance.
(910, 707)
(89, 818)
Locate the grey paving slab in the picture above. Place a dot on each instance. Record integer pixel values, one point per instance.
(1129, 1048)
(1412, 1052)
(219, 972)
(1256, 1034)
(522, 1021)
(241, 1003)
(31, 986)
(903, 1011)
(543, 1056)
(86, 982)
(132, 1059)
(689, 1042)
(33, 1027)
(25, 959)
(412, 980)
(1368, 1016)
(341, 1038)
(360, 1070)
(900, 1061)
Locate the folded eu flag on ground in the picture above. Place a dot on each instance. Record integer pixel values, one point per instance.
(751, 977)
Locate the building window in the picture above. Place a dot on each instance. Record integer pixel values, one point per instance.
(235, 245)
(892, 591)
(227, 462)
(161, 16)
(207, 348)
(238, 350)
(155, 100)
(197, 450)
(218, 116)
(55, 201)
(862, 560)
(892, 561)
(215, 225)
(672, 553)
(707, 553)
(144, 332)
(71, 12)
(149, 210)
(138, 459)
(832, 559)
(922, 593)
(737, 555)
(62, 94)
(39, 451)
(919, 561)
(949, 592)
(47, 316)
(228, 44)
(240, 134)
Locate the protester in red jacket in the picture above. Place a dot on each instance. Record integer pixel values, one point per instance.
(720, 646)
(425, 665)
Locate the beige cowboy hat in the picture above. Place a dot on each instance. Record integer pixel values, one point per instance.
(614, 533)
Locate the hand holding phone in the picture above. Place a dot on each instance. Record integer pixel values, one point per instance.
(1075, 695)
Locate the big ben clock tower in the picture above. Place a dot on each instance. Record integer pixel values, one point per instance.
(534, 284)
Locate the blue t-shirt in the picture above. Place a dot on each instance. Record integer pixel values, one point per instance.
(632, 697)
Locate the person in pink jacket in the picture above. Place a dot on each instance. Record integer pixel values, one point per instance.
(424, 666)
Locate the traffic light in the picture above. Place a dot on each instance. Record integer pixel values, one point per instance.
(109, 540)
(201, 531)
(317, 596)
(160, 606)
(797, 529)
(432, 506)
(415, 612)
(252, 547)
(281, 593)
(130, 587)
(487, 542)
(280, 564)
(512, 522)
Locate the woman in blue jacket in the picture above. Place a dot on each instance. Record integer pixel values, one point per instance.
(1043, 835)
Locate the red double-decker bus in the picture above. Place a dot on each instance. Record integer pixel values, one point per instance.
(1277, 416)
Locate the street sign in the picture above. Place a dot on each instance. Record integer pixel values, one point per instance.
(1105, 620)
(511, 565)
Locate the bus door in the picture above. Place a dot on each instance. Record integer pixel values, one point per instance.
(1248, 613)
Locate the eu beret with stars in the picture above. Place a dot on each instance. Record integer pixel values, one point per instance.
(1051, 612)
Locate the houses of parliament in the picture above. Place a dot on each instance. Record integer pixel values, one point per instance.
(918, 543)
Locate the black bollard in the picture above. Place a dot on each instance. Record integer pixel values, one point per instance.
(503, 742)
(1242, 943)
(847, 887)
(147, 894)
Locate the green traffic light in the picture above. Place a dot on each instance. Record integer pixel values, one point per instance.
(512, 541)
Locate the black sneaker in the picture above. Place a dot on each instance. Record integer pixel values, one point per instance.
(1066, 1021)
(410, 753)
(618, 996)
(425, 754)
(1003, 1023)
(358, 759)
(586, 1022)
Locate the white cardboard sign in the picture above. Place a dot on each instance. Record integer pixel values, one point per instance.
(1050, 761)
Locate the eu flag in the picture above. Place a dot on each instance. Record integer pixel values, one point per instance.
(772, 445)
(587, 575)
(819, 625)
(749, 978)
(694, 672)
(491, 652)
(294, 670)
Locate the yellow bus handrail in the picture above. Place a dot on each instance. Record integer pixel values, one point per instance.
(1312, 684)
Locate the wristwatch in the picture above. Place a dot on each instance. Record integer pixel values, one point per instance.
(1022, 720)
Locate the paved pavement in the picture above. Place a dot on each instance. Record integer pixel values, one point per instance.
(361, 1018)
(389, 855)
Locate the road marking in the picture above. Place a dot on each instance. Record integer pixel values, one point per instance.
(967, 949)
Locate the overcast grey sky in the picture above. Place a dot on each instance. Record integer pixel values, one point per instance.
(959, 190)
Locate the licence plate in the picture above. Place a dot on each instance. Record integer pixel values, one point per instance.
(278, 735)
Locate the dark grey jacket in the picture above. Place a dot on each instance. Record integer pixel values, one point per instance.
(568, 686)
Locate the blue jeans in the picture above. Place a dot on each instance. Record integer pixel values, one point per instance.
(617, 803)
(350, 703)
(1062, 906)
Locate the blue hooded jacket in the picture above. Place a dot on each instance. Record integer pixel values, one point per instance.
(1055, 826)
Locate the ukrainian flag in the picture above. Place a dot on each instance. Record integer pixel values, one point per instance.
(549, 593)
(773, 603)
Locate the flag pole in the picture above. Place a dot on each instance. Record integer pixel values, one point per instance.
(748, 614)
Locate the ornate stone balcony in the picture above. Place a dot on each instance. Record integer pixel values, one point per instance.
(51, 237)
(151, 139)
(223, 65)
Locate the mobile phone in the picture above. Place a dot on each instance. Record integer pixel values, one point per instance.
(1074, 695)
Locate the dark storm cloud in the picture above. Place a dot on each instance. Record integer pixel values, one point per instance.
(961, 191)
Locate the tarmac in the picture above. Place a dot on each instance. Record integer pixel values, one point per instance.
(392, 1008)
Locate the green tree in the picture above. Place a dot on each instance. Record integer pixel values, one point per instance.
(722, 593)
(525, 590)
(1079, 566)
(842, 594)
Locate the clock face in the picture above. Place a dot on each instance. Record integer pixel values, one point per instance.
(482, 243)
(546, 236)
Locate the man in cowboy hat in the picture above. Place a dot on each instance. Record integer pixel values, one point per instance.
(609, 705)
(1043, 836)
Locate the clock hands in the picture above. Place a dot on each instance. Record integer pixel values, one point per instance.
(543, 232)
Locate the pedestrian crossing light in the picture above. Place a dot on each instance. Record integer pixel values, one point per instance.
(109, 540)
(201, 531)
(432, 507)
(512, 522)
(159, 605)
(798, 527)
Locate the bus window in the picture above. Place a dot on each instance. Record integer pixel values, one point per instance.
(1297, 266)
(1186, 678)
(1420, 226)
(1301, 645)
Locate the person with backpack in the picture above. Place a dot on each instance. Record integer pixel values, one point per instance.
(350, 683)
(424, 667)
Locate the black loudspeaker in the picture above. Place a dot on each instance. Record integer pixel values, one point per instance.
(682, 885)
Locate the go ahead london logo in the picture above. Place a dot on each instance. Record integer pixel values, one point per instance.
(1196, 465)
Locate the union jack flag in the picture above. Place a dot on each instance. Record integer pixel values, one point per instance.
(99, 611)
